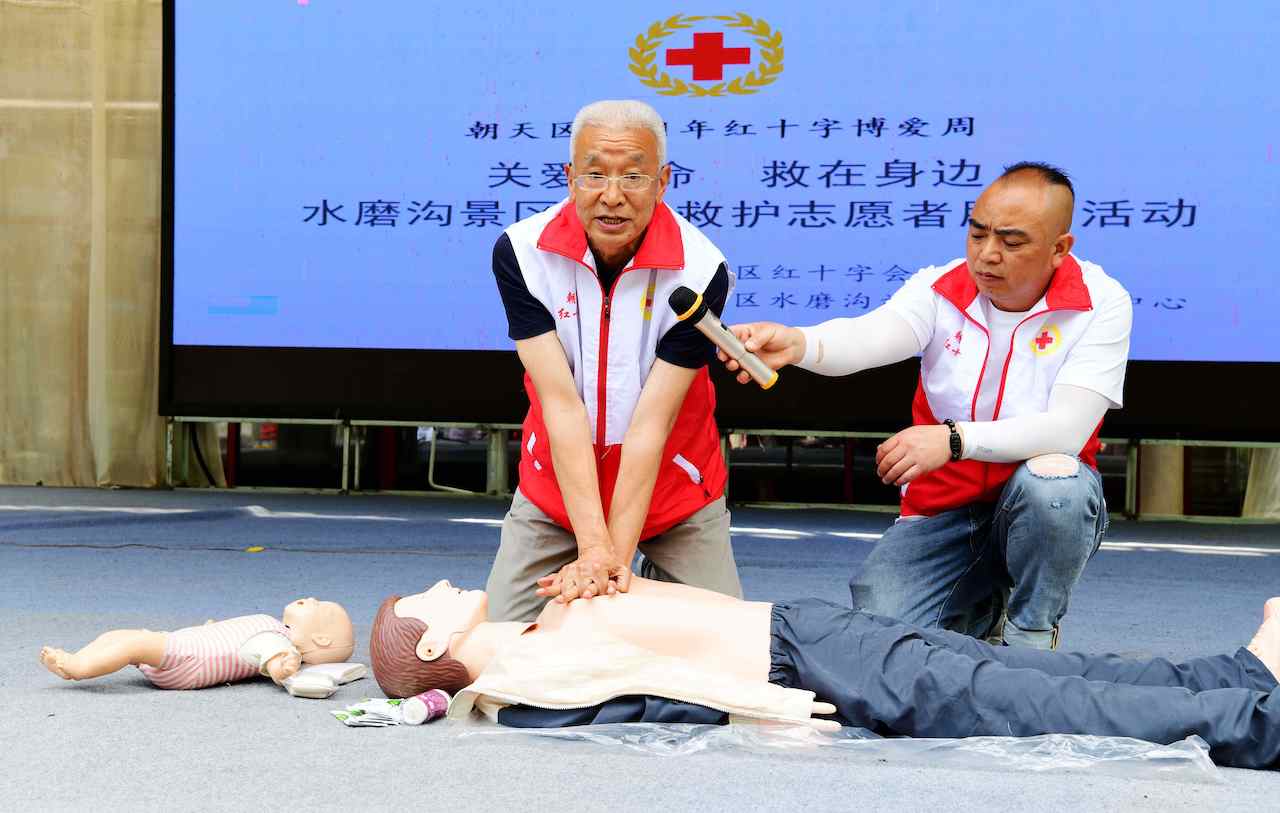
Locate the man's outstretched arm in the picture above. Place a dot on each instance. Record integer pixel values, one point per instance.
(834, 348)
(1090, 382)
(572, 453)
(1064, 428)
(655, 414)
(646, 437)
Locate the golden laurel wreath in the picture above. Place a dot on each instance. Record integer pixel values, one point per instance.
(764, 73)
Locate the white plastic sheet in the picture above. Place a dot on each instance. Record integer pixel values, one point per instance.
(1184, 761)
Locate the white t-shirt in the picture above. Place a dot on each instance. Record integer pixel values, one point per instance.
(1090, 380)
(1096, 362)
(1000, 326)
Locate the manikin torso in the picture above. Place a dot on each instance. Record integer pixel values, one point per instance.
(712, 631)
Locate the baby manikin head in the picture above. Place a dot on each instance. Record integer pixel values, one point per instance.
(320, 630)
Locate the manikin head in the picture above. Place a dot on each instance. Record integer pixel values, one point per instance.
(1019, 233)
(411, 637)
(623, 145)
(321, 631)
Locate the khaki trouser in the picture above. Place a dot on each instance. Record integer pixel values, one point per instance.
(695, 552)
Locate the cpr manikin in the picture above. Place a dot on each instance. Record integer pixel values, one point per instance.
(664, 646)
(309, 631)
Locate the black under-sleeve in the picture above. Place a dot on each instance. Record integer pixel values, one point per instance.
(526, 316)
(626, 709)
(683, 345)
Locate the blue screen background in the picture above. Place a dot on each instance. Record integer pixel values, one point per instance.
(284, 107)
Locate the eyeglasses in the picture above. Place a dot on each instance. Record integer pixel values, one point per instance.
(595, 182)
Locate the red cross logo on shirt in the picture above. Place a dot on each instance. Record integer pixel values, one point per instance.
(1047, 341)
(571, 298)
(708, 56)
(953, 343)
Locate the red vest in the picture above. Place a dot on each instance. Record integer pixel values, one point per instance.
(951, 373)
(610, 339)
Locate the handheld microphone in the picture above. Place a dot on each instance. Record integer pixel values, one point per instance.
(690, 307)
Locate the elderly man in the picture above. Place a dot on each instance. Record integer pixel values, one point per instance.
(1023, 350)
(620, 448)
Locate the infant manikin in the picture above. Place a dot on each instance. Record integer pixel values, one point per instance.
(309, 631)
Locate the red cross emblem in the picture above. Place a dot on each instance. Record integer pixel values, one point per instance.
(571, 298)
(1048, 341)
(708, 56)
(953, 343)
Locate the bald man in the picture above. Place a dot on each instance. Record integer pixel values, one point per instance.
(1023, 350)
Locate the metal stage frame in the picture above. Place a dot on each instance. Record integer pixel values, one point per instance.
(497, 463)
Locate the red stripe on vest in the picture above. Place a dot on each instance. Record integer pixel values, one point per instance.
(962, 482)
(676, 496)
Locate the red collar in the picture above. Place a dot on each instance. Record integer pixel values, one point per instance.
(1067, 290)
(662, 246)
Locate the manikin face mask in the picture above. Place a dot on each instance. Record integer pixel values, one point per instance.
(445, 610)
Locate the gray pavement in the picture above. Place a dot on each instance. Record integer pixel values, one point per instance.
(78, 562)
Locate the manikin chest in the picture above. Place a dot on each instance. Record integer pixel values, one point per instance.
(712, 631)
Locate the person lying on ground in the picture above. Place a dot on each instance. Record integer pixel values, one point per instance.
(673, 653)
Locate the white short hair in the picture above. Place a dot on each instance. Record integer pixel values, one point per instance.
(625, 113)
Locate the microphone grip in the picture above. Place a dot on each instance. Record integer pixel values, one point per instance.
(723, 338)
(763, 374)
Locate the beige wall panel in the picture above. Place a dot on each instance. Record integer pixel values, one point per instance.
(1262, 497)
(1160, 480)
(132, 285)
(44, 258)
(42, 352)
(78, 393)
(45, 50)
(135, 33)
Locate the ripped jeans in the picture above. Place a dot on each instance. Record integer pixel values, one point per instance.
(1015, 560)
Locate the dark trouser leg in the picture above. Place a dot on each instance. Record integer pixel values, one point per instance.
(931, 571)
(891, 678)
(1241, 670)
(1047, 526)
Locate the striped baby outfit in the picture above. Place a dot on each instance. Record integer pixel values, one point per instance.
(196, 657)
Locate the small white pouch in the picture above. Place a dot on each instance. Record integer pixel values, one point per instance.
(311, 684)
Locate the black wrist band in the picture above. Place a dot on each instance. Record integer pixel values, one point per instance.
(956, 446)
